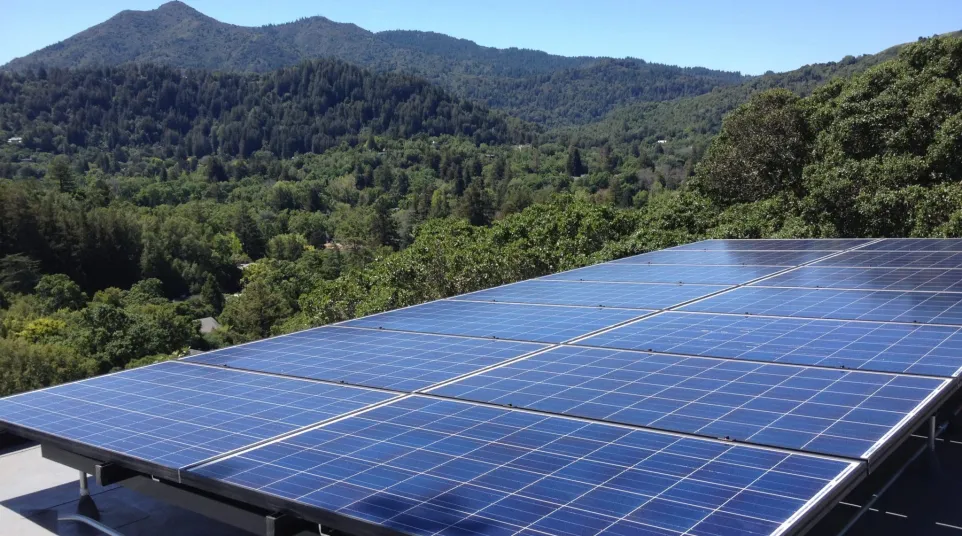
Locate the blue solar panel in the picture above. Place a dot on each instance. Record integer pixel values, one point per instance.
(896, 259)
(916, 349)
(177, 414)
(726, 258)
(928, 280)
(425, 466)
(837, 412)
(536, 323)
(627, 295)
(821, 244)
(880, 305)
(916, 244)
(660, 273)
(392, 360)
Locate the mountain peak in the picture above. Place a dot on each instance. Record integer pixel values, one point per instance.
(176, 5)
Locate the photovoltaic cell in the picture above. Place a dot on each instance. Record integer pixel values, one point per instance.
(427, 466)
(923, 307)
(837, 412)
(903, 348)
(536, 323)
(916, 244)
(628, 295)
(659, 273)
(176, 414)
(726, 258)
(896, 259)
(828, 245)
(391, 360)
(928, 280)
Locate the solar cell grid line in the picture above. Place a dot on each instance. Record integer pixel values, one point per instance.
(391, 360)
(662, 273)
(520, 322)
(176, 414)
(861, 345)
(917, 244)
(883, 306)
(722, 292)
(427, 466)
(896, 259)
(589, 294)
(846, 278)
(774, 244)
(837, 412)
(785, 259)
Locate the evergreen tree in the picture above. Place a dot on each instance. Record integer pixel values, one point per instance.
(59, 172)
(476, 204)
(212, 295)
(574, 166)
(249, 234)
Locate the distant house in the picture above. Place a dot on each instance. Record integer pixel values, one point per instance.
(208, 325)
(15, 139)
(662, 142)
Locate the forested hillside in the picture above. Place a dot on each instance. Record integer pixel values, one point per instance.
(163, 112)
(103, 267)
(529, 84)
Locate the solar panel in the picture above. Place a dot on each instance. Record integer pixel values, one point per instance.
(823, 244)
(659, 273)
(627, 295)
(424, 466)
(177, 414)
(880, 305)
(916, 244)
(904, 348)
(726, 258)
(896, 259)
(536, 323)
(374, 358)
(927, 280)
(837, 412)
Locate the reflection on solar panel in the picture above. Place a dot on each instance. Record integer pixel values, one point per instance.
(658, 273)
(729, 258)
(835, 412)
(896, 259)
(391, 360)
(917, 244)
(430, 467)
(775, 245)
(177, 414)
(628, 295)
(880, 305)
(928, 280)
(916, 349)
(537, 323)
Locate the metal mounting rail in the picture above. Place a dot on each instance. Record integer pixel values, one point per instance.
(91, 523)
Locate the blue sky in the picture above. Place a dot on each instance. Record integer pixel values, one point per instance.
(751, 36)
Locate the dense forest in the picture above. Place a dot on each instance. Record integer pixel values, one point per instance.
(163, 112)
(528, 84)
(110, 250)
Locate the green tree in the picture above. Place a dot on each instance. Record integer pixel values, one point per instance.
(476, 205)
(286, 247)
(212, 295)
(60, 173)
(57, 291)
(761, 151)
(574, 165)
(249, 233)
(18, 273)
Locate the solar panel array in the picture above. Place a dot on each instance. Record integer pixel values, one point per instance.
(720, 387)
